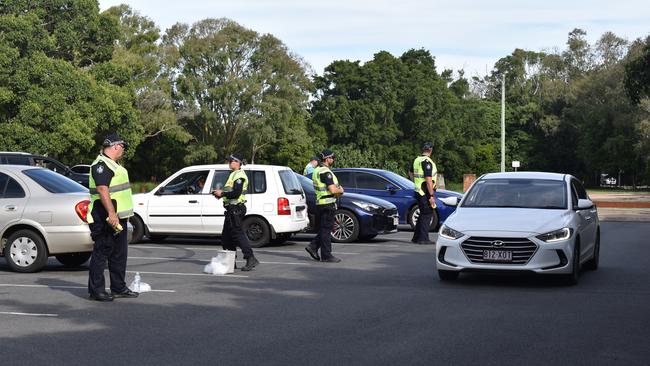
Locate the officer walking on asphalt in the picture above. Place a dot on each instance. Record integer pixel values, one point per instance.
(424, 173)
(234, 198)
(327, 191)
(110, 207)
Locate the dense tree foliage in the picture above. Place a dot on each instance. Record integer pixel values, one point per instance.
(195, 93)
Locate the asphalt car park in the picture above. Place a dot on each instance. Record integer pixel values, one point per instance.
(383, 304)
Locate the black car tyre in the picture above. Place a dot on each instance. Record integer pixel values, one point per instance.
(592, 264)
(448, 275)
(346, 227)
(138, 229)
(257, 231)
(413, 215)
(25, 251)
(73, 259)
(572, 278)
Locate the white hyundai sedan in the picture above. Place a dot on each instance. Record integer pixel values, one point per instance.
(521, 222)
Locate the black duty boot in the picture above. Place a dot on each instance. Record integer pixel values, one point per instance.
(251, 262)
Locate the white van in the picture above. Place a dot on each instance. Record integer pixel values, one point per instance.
(276, 206)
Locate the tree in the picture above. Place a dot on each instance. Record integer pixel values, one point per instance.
(49, 102)
(637, 71)
(236, 90)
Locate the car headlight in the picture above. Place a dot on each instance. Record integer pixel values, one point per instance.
(366, 206)
(449, 233)
(557, 235)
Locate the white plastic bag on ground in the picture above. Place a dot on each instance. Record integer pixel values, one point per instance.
(138, 286)
(222, 264)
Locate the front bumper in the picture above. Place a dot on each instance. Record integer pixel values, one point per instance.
(457, 255)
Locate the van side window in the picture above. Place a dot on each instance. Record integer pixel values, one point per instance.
(256, 181)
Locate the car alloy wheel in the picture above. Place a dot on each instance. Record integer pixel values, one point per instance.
(414, 214)
(346, 227)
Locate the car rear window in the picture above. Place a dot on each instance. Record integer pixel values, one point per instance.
(54, 182)
(289, 182)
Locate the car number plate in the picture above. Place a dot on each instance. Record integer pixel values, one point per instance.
(498, 255)
(396, 220)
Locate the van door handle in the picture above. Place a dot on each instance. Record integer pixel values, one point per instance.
(10, 208)
(194, 201)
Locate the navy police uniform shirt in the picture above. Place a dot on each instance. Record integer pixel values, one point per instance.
(237, 188)
(327, 178)
(428, 168)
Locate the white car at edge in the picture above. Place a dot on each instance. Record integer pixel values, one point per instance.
(276, 205)
(521, 222)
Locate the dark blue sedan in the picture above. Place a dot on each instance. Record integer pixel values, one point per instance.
(395, 189)
(358, 216)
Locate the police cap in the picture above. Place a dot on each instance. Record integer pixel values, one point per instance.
(114, 139)
(235, 157)
(327, 153)
(427, 146)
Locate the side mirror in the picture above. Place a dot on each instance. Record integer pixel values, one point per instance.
(584, 204)
(450, 201)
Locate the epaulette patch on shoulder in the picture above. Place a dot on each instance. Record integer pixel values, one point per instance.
(99, 169)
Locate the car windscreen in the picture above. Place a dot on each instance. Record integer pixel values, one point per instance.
(54, 182)
(289, 182)
(399, 180)
(518, 193)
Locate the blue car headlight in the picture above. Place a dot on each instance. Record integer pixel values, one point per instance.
(367, 206)
(449, 233)
(556, 235)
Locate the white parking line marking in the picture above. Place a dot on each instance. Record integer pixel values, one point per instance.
(309, 262)
(56, 286)
(188, 274)
(257, 250)
(27, 314)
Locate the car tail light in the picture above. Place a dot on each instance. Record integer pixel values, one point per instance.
(283, 206)
(82, 209)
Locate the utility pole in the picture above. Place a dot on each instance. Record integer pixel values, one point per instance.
(503, 122)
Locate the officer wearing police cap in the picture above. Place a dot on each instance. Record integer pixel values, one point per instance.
(327, 189)
(424, 178)
(234, 199)
(110, 207)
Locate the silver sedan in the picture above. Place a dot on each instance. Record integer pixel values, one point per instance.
(42, 214)
(521, 222)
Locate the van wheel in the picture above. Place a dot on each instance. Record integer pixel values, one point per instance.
(346, 227)
(25, 251)
(414, 213)
(73, 259)
(257, 231)
(138, 229)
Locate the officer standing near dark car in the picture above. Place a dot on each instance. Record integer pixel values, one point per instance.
(424, 173)
(327, 189)
(110, 207)
(234, 199)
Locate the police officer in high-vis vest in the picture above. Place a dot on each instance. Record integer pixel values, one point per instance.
(110, 207)
(327, 190)
(234, 197)
(424, 177)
